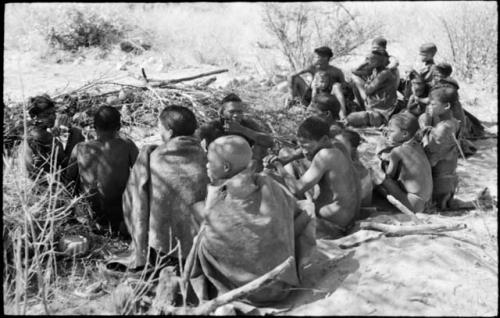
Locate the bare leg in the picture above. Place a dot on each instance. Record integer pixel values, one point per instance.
(359, 90)
(298, 86)
(389, 186)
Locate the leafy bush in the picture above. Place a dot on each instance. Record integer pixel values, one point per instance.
(472, 32)
(300, 28)
(85, 29)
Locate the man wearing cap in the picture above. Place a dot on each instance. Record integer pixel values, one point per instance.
(361, 74)
(381, 97)
(425, 68)
(299, 88)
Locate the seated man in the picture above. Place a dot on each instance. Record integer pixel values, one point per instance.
(381, 96)
(233, 121)
(351, 140)
(252, 224)
(165, 182)
(45, 129)
(336, 81)
(339, 198)
(361, 73)
(406, 172)
(100, 168)
(440, 144)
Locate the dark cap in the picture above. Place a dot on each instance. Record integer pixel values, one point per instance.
(379, 44)
(428, 48)
(444, 69)
(324, 51)
(39, 103)
(415, 77)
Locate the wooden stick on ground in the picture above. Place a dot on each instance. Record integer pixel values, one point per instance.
(401, 207)
(410, 229)
(209, 306)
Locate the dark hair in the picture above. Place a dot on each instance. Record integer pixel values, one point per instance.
(324, 51)
(313, 128)
(180, 119)
(444, 95)
(352, 137)
(107, 118)
(444, 69)
(232, 97)
(406, 121)
(36, 103)
(326, 102)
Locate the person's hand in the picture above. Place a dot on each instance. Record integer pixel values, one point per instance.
(61, 125)
(234, 126)
(378, 176)
(270, 160)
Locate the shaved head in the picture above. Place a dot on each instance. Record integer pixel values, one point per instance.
(233, 150)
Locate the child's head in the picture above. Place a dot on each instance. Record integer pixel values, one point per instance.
(427, 52)
(379, 44)
(326, 106)
(42, 110)
(227, 156)
(401, 127)
(107, 119)
(313, 135)
(177, 121)
(418, 86)
(441, 100)
(443, 70)
(351, 140)
(322, 55)
(232, 107)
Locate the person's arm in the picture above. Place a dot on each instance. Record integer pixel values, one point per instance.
(133, 153)
(71, 172)
(320, 164)
(28, 158)
(259, 138)
(394, 161)
(284, 159)
(377, 83)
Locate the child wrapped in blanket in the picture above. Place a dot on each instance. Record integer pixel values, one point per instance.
(251, 225)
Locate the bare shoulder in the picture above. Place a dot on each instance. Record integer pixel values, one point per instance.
(330, 155)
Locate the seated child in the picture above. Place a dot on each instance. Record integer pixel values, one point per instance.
(233, 121)
(440, 144)
(324, 104)
(380, 94)
(44, 130)
(351, 141)
(406, 172)
(101, 167)
(418, 100)
(252, 224)
(165, 182)
(338, 202)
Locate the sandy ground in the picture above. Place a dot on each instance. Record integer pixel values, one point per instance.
(410, 275)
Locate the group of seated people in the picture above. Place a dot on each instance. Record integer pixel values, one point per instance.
(247, 208)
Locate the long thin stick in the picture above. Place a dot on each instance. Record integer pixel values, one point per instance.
(234, 294)
(183, 79)
(401, 207)
(458, 145)
(410, 229)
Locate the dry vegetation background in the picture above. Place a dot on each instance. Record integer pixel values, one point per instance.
(56, 47)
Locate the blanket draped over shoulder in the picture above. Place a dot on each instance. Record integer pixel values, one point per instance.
(157, 203)
(252, 224)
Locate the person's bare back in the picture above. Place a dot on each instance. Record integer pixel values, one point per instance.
(104, 166)
(339, 196)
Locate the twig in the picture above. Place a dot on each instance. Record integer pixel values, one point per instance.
(410, 229)
(401, 207)
(458, 145)
(234, 294)
(184, 79)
